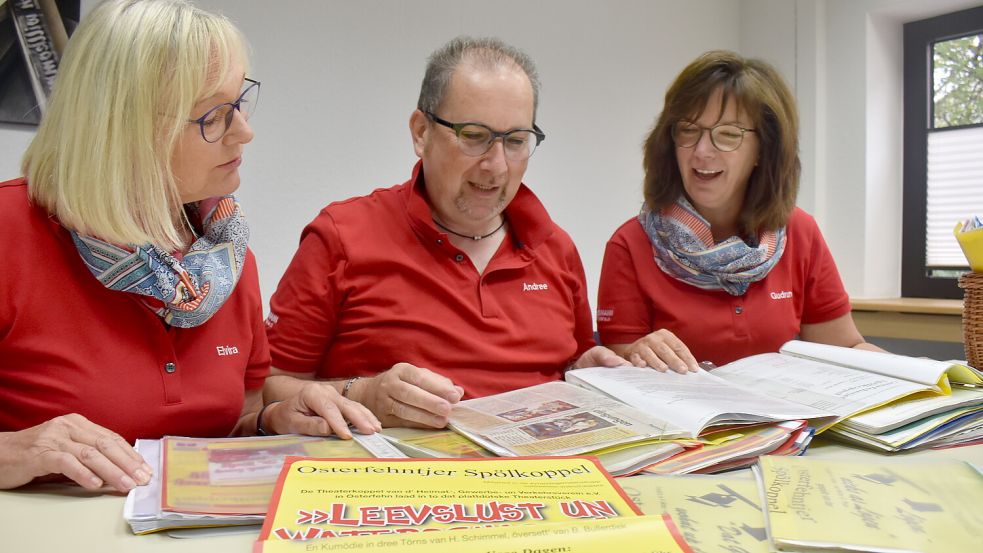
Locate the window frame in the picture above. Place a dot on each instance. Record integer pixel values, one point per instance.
(919, 36)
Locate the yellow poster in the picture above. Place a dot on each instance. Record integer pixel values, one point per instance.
(646, 534)
(713, 513)
(235, 475)
(865, 506)
(327, 498)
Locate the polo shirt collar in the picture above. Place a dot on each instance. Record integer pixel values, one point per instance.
(529, 222)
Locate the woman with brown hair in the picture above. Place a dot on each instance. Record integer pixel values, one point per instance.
(720, 264)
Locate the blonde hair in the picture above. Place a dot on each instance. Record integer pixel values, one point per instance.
(132, 73)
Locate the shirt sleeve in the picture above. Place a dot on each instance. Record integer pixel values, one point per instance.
(258, 367)
(304, 308)
(623, 313)
(825, 296)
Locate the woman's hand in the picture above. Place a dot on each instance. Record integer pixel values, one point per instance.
(599, 356)
(317, 409)
(661, 350)
(75, 447)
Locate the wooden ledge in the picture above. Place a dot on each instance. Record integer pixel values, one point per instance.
(909, 305)
(909, 318)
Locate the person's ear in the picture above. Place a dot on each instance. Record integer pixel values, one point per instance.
(419, 126)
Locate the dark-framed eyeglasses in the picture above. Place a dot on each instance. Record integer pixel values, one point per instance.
(726, 137)
(216, 121)
(475, 139)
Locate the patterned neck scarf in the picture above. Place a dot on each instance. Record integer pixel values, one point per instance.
(192, 286)
(683, 248)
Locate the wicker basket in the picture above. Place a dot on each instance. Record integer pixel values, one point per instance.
(972, 285)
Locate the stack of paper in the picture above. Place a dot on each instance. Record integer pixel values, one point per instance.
(224, 481)
(737, 448)
(816, 505)
(619, 460)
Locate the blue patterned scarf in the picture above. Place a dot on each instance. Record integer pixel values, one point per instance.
(189, 288)
(683, 248)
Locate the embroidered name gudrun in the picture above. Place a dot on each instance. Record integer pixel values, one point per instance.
(786, 295)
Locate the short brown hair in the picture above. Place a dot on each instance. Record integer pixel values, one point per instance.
(759, 90)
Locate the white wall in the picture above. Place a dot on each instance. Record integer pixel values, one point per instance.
(860, 211)
(340, 80)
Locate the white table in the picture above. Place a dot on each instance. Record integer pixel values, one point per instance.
(49, 518)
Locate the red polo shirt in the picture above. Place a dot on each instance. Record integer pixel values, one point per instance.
(70, 345)
(636, 297)
(375, 283)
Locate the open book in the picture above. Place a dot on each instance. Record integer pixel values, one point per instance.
(824, 384)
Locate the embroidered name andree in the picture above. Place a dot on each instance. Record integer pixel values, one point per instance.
(534, 286)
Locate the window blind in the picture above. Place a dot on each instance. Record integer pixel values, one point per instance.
(955, 191)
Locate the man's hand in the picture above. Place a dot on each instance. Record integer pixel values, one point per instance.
(407, 395)
(319, 410)
(599, 356)
(75, 447)
(661, 350)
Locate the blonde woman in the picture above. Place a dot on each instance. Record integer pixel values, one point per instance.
(129, 300)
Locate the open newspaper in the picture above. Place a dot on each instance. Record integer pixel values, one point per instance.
(824, 384)
(200, 482)
(555, 418)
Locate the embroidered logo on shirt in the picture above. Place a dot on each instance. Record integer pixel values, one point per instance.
(604, 315)
(271, 320)
(786, 295)
(222, 351)
(534, 286)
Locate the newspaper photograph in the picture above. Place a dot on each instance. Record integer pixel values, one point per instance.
(555, 418)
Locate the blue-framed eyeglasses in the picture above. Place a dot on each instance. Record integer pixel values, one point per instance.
(216, 121)
(475, 139)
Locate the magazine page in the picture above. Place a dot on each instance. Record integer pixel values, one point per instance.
(432, 442)
(714, 513)
(555, 418)
(234, 475)
(832, 388)
(339, 498)
(871, 506)
(693, 401)
(925, 371)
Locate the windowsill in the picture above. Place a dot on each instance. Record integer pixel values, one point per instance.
(909, 305)
(910, 318)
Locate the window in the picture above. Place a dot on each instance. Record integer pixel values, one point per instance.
(943, 148)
